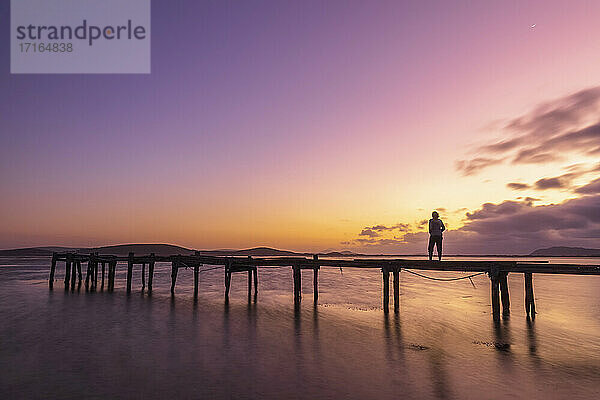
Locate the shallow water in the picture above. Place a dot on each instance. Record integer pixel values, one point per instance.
(442, 344)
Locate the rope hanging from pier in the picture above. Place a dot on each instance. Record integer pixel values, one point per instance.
(443, 279)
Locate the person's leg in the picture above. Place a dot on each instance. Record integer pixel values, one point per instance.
(439, 247)
(430, 247)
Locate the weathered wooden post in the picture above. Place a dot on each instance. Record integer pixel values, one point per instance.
(114, 275)
(316, 279)
(249, 276)
(110, 275)
(503, 277)
(529, 300)
(255, 273)
(52, 269)
(95, 271)
(174, 270)
(129, 272)
(227, 278)
(297, 283)
(143, 276)
(73, 273)
(196, 272)
(67, 271)
(79, 271)
(386, 289)
(88, 272)
(494, 279)
(102, 285)
(396, 289)
(151, 272)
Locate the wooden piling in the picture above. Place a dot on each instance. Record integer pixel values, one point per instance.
(174, 270)
(196, 272)
(73, 273)
(143, 276)
(227, 278)
(79, 271)
(110, 276)
(503, 277)
(255, 273)
(87, 274)
(249, 276)
(316, 279)
(494, 279)
(113, 275)
(297, 284)
(386, 289)
(102, 285)
(396, 289)
(129, 272)
(95, 272)
(67, 272)
(151, 273)
(52, 269)
(529, 299)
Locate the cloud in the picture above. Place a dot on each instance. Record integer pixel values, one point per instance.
(509, 227)
(474, 166)
(551, 132)
(369, 232)
(591, 188)
(382, 228)
(550, 183)
(517, 186)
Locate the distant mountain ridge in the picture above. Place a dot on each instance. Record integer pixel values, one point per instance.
(161, 249)
(563, 251)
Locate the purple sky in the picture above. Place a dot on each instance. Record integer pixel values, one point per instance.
(298, 125)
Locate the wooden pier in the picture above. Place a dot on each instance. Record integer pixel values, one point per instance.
(497, 272)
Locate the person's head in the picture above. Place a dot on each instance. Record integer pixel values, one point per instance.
(435, 215)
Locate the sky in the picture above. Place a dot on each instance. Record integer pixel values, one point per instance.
(317, 125)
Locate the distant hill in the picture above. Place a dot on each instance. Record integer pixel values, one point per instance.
(158, 249)
(164, 250)
(256, 251)
(117, 250)
(561, 251)
(33, 251)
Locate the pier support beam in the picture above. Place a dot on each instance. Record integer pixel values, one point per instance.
(129, 272)
(316, 280)
(227, 279)
(249, 278)
(396, 289)
(174, 270)
(73, 273)
(297, 284)
(255, 274)
(95, 265)
(150, 272)
(529, 300)
(114, 275)
(52, 269)
(79, 272)
(386, 289)
(503, 278)
(67, 272)
(143, 276)
(196, 272)
(495, 283)
(102, 285)
(87, 274)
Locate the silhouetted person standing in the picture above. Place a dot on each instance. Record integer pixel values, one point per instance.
(436, 227)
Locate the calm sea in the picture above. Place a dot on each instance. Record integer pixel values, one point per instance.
(443, 343)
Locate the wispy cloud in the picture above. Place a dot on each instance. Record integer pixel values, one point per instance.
(551, 132)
